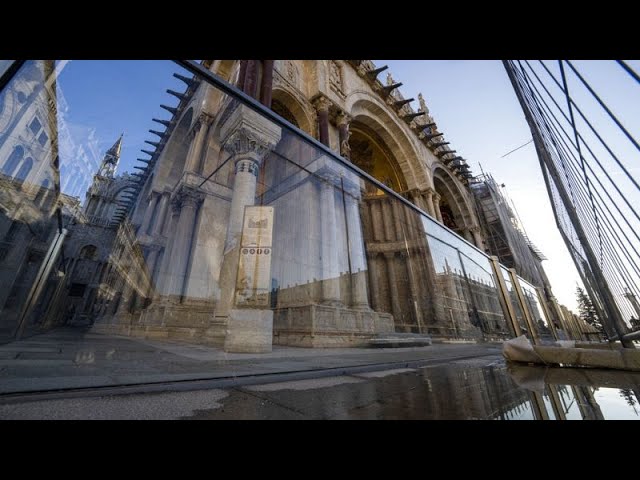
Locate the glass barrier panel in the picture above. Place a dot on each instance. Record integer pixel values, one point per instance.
(539, 318)
(151, 226)
(515, 302)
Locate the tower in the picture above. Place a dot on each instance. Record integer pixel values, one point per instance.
(100, 193)
(111, 159)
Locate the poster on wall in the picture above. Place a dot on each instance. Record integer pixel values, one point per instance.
(253, 282)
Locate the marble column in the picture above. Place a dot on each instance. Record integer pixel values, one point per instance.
(267, 83)
(436, 207)
(329, 246)
(248, 137)
(187, 201)
(359, 297)
(343, 122)
(414, 286)
(162, 212)
(151, 264)
(200, 131)
(243, 74)
(477, 238)
(373, 280)
(393, 286)
(322, 105)
(148, 213)
(162, 289)
(251, 78)
(428, 195)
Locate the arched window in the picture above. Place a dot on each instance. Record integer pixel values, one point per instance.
(26, 167)
(13, 160)
(88, 252)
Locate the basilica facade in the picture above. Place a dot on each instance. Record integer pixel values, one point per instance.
(236, 232)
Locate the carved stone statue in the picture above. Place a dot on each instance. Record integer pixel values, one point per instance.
(345, 148)
(336, 77)
(390, 80)
(423, 104)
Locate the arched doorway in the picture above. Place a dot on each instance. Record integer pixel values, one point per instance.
(369, 152)
(455, 212)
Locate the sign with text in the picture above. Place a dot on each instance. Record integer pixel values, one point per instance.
(253, 283)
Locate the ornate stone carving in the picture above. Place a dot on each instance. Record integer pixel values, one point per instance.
(335, 78)
(390, 80)
(248, 165)
(322, 103)
(243, 142)
(343, 118)
(186, 196)
(291, 72)
(345, 148)
(247, 134)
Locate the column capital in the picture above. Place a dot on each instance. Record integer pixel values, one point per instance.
(205, 118)
(246, 133)
(186, 196)
(372, 255)
(436, 197)
(321, 103)
(389, 255)
(429, 191)
(244, 142)
(474, 228)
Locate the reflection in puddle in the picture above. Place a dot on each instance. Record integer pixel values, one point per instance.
(467, 390)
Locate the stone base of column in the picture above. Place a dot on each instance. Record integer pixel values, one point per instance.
(327, 326)
(193, 322)
(249, 331)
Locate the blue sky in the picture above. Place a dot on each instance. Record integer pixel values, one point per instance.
(119, 96)
(472, 102)
(475, 106)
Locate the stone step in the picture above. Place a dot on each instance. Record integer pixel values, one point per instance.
(400, 340)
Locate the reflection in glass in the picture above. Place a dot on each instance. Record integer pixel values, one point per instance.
(539, 318)
(212, 224)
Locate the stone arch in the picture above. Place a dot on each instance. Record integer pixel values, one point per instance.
(14, 160)
(371, 154)
(453, 202)
(174, 156)
(88, 252)
(294, 111)
(115, 199)
(371, 112)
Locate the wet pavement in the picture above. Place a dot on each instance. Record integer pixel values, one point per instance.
(480, 389)
(68, 359)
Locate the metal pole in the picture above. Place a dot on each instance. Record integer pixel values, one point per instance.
(546, 312)
(503, 295)
(525, 308)
(613, 315)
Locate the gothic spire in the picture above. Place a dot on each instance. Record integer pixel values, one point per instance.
(111, 159)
